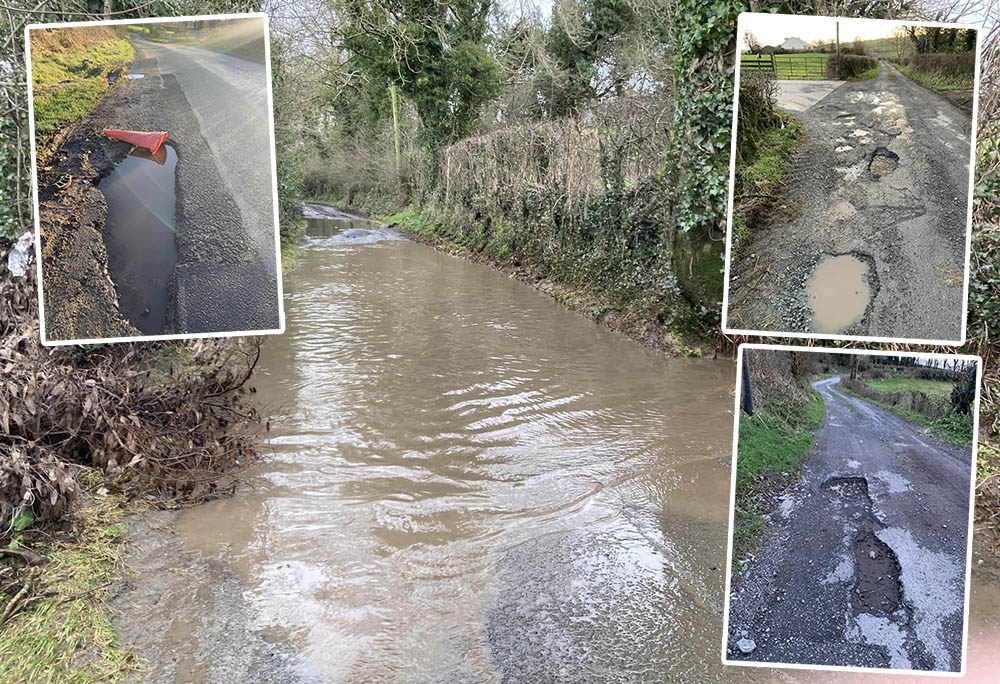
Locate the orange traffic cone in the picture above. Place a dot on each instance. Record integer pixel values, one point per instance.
(151, 141)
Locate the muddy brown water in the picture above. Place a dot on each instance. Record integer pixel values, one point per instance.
(838, 293)
(455, 456)
(139, 234)
(466, 482)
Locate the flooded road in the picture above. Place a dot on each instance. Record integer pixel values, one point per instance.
(464, 482)
(139, 234)
(469, 481)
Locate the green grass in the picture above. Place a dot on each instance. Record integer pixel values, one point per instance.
(770, 450)
(804, 66)
(950, 427)
(934, 389)
(936, 81)
(68, 84)
(64, 633)
(868, 74)
(760, 181)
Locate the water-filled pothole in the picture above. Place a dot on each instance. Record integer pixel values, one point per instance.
(883, 162)
(139, 234)
(838, 293)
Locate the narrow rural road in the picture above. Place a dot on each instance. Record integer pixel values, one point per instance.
(225, 278)
(863, 561)
(882, 175)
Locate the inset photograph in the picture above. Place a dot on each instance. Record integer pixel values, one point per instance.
(851, 182)
(851, 513)
(155, 179)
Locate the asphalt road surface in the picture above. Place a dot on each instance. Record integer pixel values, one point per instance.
(863, 561)
(882, 174)
(225, 278)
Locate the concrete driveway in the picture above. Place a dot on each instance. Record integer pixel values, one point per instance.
(863, 561)
(798, 96)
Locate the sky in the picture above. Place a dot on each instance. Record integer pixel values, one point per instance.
(773, 29)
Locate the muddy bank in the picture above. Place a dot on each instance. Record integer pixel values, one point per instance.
(216, 256)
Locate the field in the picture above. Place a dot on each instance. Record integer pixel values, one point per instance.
(799, 66)
(934, 389)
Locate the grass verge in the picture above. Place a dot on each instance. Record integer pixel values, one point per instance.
(760, 181)
(69, 83)
(950, 428)
(59, 627)
(937, 81)
(770, 450)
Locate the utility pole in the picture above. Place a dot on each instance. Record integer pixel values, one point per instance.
(839, 68)
(747, 396)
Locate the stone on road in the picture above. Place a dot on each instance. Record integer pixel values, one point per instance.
(864, 563)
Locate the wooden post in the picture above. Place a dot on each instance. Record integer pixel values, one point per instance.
(395, 124)
(747, 395)
(774, 66)
(839, 69)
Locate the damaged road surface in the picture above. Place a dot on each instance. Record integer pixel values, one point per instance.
(224, 275)
(881, 181)
(863, 560)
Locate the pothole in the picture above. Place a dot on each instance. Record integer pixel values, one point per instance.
(877, 589)
(838, 293)
(849, 487)
(883, 162)
(139, 233)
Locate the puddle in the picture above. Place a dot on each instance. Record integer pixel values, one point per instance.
(139, 234)
(838, 293)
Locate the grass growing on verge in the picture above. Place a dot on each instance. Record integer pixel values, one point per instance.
(770, 449)
(759, 182)
(936, 80)
(69, 83)
(61, 630)
(950, 427)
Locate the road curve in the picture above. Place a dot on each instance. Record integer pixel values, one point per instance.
(863, 561)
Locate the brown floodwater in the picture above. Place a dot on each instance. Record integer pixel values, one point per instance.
(466, 482)
(838, 293)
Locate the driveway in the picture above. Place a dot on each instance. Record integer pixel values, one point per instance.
(882, 174)
(863, 561)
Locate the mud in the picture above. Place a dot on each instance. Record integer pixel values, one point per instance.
(883, 170)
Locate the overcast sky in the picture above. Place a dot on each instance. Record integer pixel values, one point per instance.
(772, 29)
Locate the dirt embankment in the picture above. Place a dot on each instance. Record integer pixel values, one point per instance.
(80, 297)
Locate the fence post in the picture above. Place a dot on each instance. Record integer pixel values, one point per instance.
(774, 66)
(747, 395)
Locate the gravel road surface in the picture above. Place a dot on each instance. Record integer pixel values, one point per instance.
(882, 174)
(863, 562)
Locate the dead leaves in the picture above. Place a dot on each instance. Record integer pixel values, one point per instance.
(161, 417)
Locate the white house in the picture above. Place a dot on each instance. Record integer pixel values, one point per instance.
(793, 44)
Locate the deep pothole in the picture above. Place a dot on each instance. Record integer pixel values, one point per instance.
(882, 162)
(877, 588)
